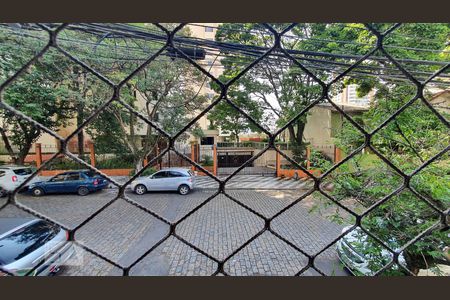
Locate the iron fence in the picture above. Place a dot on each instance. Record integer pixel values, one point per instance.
(170, 45)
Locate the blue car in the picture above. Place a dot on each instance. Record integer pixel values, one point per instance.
(81, 182)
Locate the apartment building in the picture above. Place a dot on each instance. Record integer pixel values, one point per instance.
(324, 121)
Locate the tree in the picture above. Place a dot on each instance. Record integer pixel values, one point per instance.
(276, 90)
(408, 141)
(232, 121)
(279, 86)
(40, 93)
(166, 92)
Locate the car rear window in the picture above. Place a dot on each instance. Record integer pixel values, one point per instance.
(176, 174)
(24, 241)
(24, 171)
(89, 174)
(73, 176)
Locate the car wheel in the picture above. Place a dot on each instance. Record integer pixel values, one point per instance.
(2, 193)
(83, 191)
(140, 189)
(37, 192)
(184, 189)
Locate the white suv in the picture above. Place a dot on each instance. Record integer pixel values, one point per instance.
(12, 176)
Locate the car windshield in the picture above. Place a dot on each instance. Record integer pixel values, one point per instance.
(24, 171)
(24, 241)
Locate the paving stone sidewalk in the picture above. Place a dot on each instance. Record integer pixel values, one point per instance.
(123, 232)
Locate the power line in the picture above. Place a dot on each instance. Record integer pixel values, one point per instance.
(260, 49)
(256, 53)
(304, 38)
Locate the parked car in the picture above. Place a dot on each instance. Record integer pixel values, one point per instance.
(12, 176)
(172, 179)
(81, 182)
(28, 243)
(353, 251)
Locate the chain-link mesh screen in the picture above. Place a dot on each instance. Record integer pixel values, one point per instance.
(252, 59)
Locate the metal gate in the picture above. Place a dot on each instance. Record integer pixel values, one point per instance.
(233, 159)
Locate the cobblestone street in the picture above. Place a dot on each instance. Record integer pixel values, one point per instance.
(123, 233)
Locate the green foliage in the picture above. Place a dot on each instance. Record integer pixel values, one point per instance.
(318, 161)
(168, 94)
(273, 92)
(207, 161)
(42, 93)
(147, 172)
(63, 163)
(232, 121)
(121, 162)
(408, 141)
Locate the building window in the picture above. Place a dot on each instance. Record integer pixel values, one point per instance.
(209, 29)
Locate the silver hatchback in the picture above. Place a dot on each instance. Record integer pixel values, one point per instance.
(172, 179)
(32, 244)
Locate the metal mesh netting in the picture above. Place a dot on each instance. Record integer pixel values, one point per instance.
(55, 42)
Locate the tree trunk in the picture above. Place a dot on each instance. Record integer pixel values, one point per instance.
(7, 144)
(81, 145)
(300, 130)
(291, 133)
(81, 84)
(296, 141)
(138, 164)
(80, 135)
(23, 153)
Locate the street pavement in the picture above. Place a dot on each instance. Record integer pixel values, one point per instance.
(123, 233)
(251, 182)
(241, 182)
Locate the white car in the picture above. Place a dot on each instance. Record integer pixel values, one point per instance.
(30, 243)
(12, 176)
(354, 252)
(172, 179)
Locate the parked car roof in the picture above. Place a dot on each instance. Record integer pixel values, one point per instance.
(12, 167)
(174, 169)
(75, 171)
(7, 224)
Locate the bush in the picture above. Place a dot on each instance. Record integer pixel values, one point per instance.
(207, 161)
(124, 162)
(319, 161)
(62, 163)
